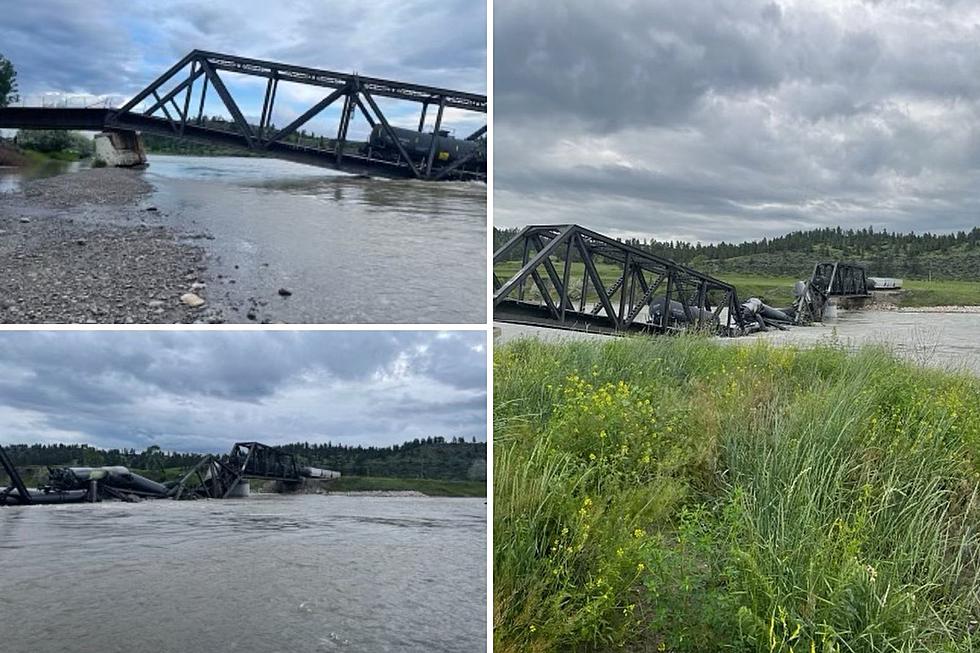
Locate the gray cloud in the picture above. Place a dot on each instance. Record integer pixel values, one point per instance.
(205, 390)
(734, 119)
(104, 47)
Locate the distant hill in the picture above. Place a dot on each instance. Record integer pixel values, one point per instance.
(954, 256)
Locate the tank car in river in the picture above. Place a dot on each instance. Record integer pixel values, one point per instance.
(448, 149)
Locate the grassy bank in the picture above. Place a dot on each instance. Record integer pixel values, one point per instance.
(778, 291)
(430, 487)
(678, 495)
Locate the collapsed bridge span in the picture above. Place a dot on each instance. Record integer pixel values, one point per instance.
(569, 277)
(212, 477)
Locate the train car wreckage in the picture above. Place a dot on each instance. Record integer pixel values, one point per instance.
(213, 477)
(646, 293)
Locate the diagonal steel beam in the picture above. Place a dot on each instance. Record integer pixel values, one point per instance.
(391, 133)
(597, 281)
(142, 95)
(477, 134)
(443, 172)
(553, 274)
(532, 264)
(173, 93)
(312, 111)
(229, 102)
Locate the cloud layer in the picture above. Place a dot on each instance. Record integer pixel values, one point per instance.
(107, 48)
(736, 119)
(202, 391)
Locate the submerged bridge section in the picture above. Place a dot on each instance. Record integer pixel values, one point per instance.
(838, 279)
(569, 277)
(390, 151)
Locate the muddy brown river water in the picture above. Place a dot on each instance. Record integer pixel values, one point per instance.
(265, 574)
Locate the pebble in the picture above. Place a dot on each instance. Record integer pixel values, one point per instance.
(285, 292)
(192, 300)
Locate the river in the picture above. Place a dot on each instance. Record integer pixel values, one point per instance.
(269, 573)
(948, 341)
(350, 249)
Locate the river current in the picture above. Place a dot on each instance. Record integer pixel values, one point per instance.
(265, 574)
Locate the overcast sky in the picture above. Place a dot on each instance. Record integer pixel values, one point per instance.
(114, 48)
(737, 119)
(202, 391)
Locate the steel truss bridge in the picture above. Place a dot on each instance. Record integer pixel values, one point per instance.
(830, 279)
(640, 292)
(171, 114)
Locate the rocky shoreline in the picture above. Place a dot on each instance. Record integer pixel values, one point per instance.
(79, 248)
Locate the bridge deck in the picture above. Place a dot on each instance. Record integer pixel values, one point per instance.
(100, 119)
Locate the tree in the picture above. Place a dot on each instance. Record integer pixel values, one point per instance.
(8, 82)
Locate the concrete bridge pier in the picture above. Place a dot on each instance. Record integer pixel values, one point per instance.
(119, 148)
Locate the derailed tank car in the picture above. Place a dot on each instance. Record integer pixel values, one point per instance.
(448, 149)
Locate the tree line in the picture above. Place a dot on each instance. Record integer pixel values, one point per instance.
(954, 255)
(432, 457)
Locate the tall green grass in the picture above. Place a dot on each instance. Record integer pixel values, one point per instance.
(675, 494)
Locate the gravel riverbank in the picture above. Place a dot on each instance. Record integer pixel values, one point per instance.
(80, 248)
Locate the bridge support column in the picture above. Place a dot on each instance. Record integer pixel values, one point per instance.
(119, 149)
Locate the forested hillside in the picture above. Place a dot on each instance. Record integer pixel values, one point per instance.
(954, 256)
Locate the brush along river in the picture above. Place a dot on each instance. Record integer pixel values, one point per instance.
(270, 573)
(124, 245)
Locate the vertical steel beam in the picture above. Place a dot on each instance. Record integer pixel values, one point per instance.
(566, 278)
(664, 321)
(265, 107)
(187, 96)
(435, 137)
(524, 257)
(200, 108)
(627, 273)
(345, 116)
(425, 107)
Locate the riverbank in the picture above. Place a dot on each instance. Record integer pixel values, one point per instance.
(14, 156)
(680, 494)
(916, 293)
(79, 248)
(374, 485)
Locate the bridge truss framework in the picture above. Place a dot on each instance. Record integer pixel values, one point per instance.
(172, 113)
(548, 254)
(830, 279)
